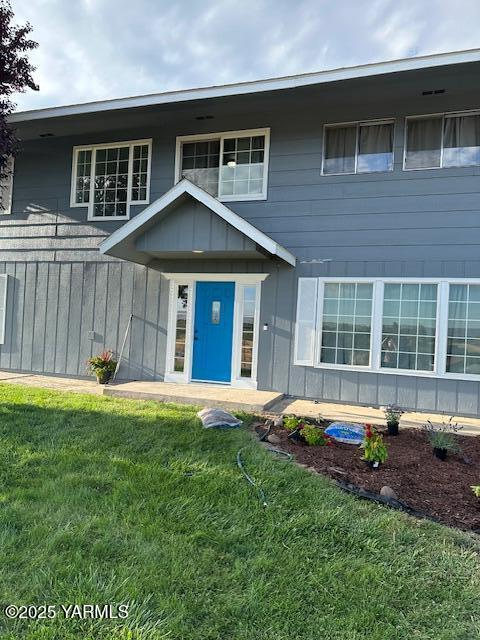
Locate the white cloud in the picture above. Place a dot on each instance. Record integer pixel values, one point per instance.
(96, 49)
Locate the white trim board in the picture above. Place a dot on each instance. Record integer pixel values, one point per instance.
(186, 187)
(257, 86)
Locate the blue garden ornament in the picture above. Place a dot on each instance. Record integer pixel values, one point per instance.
(346, 432)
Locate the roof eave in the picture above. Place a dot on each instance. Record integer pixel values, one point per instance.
(257, 86)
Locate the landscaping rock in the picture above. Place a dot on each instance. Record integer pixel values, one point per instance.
(274, 439)
(388, 492)
(278, 422)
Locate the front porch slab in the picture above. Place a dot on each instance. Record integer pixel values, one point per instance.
(248, 400)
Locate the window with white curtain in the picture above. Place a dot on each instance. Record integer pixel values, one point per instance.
(361, 147)
(444, 140)
(229, 165)
(407, 327)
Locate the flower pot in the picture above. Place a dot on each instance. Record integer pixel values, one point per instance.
(392, 428)
(440, 453)
(103, 376)
(296, 435)
(373, 464)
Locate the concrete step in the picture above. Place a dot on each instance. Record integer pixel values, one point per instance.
(248, 400)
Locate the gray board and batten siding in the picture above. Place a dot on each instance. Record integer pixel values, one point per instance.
(397, 224)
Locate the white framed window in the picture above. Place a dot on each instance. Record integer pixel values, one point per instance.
(463, 334)
(246, 332)
(442, 140)
(422, 327)
(231, 165)
(346, 323)
(358, 147)
(409, 324)
(109, 178)
(6, 187)
(3, 306)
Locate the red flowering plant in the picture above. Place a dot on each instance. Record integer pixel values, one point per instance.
(102, 366)
(374, 449)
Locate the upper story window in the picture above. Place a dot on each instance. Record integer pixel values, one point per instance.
(359, 147)
(108, 178)
(444, 140)
(230, 166)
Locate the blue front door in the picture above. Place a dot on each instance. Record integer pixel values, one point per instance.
(212, 336)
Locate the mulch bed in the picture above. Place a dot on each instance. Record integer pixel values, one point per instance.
(422, 482)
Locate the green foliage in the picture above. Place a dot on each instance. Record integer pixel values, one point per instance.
(15, 77)
(374, 449)
(442, 435)
(103, 363)
(313, 435)
(292, 422)
(393, 414)
(109, 500)
(476, 490)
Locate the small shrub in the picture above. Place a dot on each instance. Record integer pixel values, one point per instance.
(392, 416)
(292, 422)
(315, 436)
(103, 365)
(476, 490)
(374, 449)
(442, 435)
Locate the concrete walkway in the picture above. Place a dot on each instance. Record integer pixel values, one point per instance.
(228, 398)
(201, 394)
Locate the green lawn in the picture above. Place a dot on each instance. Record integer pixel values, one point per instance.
(115, 501)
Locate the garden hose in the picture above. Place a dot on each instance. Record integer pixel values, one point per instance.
(261, 493)
(250, 480)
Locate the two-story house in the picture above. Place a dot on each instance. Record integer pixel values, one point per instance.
(317, 235)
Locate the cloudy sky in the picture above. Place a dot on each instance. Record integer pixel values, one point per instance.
(96, 49)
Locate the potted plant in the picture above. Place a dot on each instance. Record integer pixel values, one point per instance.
(442, 437)
(392, 416)
(102, 366)
(374, 449)
(295, 426)
(313, 435)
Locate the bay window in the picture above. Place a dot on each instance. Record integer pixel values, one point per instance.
(443, 140)
(361, 147)
(230, 166)
(426, 327)
(108, 178)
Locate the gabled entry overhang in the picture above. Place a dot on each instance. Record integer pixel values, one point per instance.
(187, 222)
